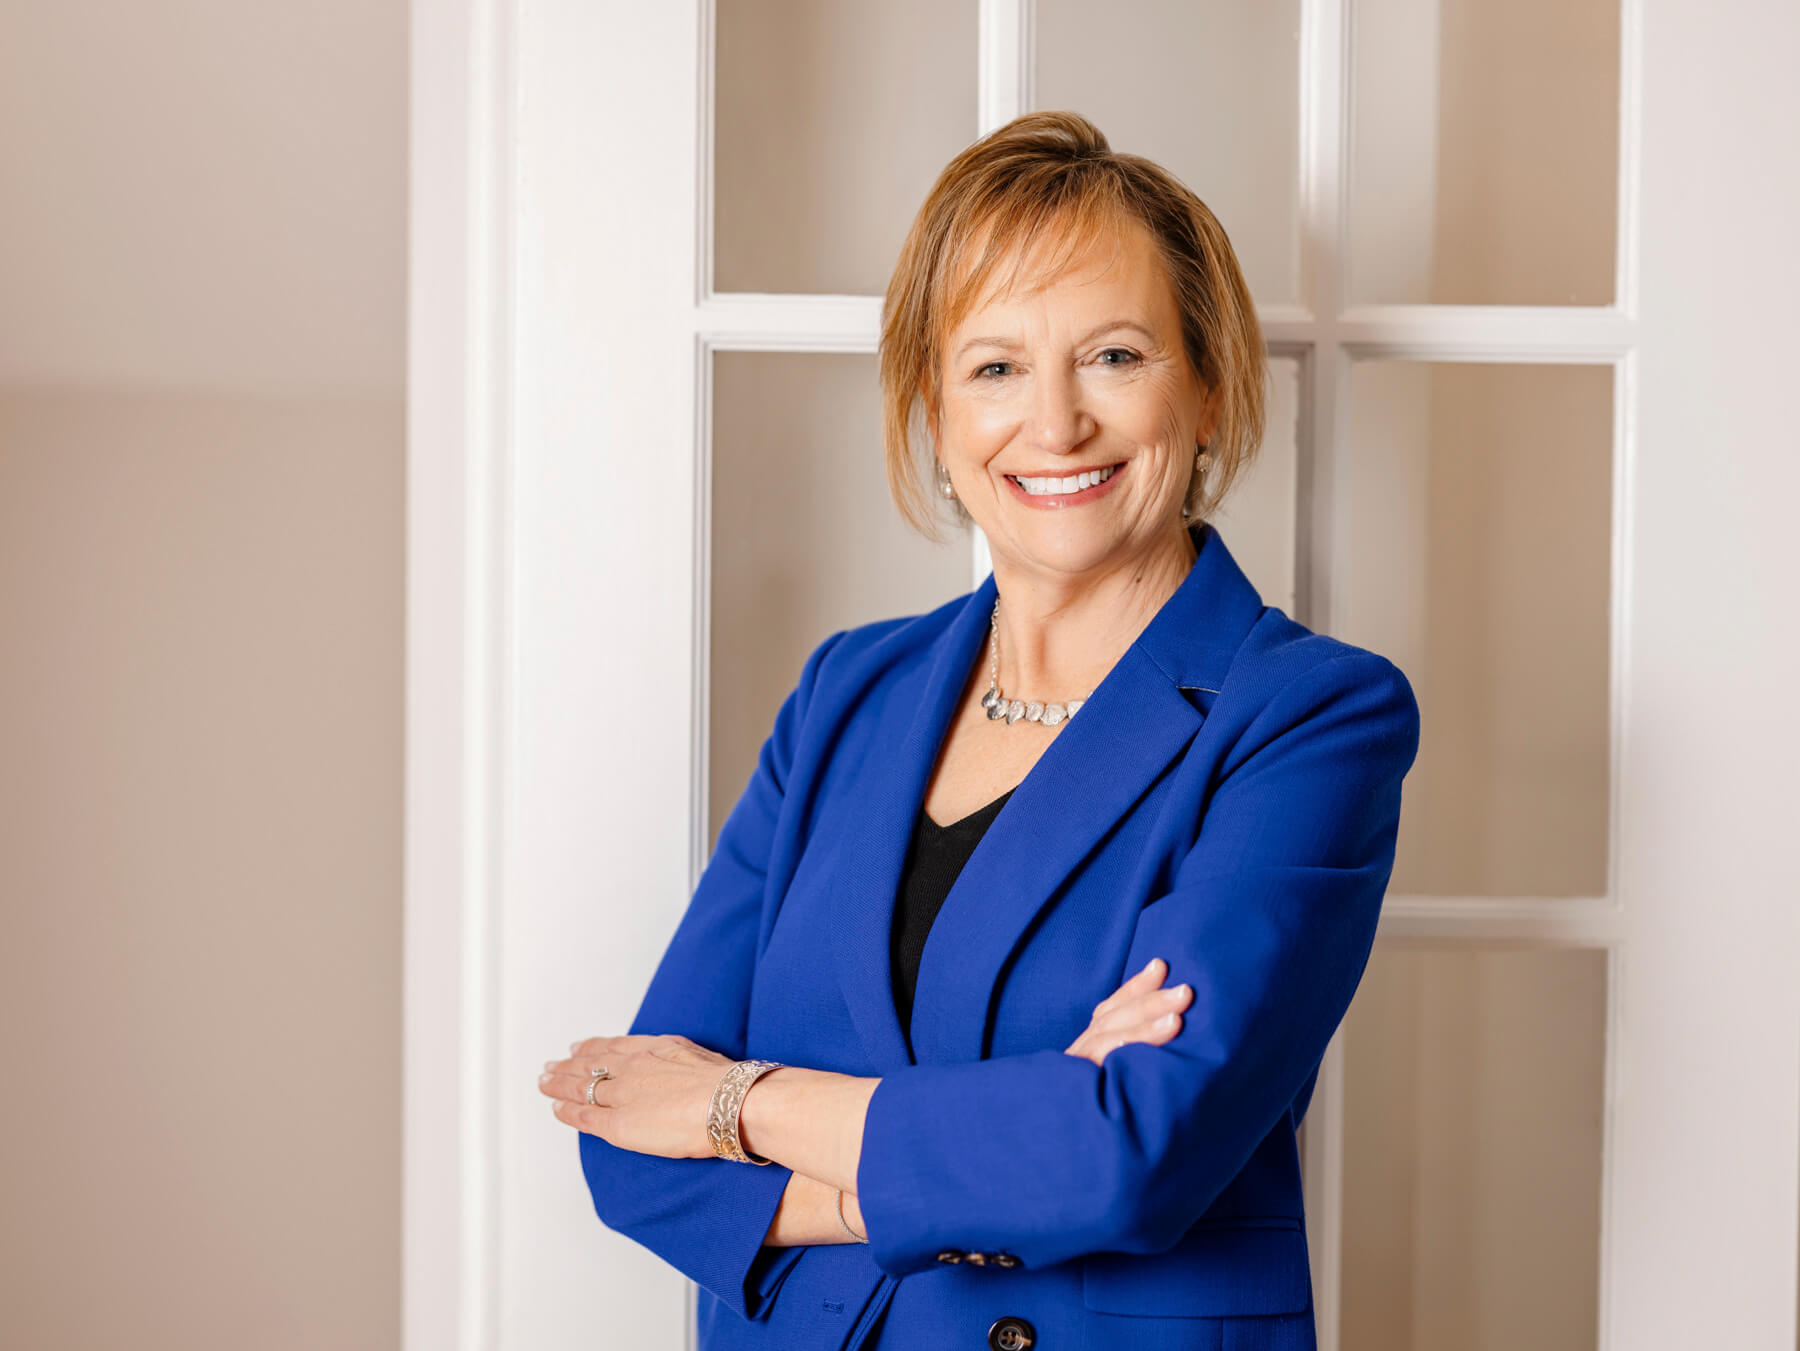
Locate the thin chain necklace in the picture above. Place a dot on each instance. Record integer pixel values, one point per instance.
(998, 706)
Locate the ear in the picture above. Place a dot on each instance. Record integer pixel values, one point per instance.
(931, 416)
(1209, 414)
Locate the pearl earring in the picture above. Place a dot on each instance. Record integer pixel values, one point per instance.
(1201, 460)
(947, 488)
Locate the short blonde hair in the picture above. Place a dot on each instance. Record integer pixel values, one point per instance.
(1051, 177)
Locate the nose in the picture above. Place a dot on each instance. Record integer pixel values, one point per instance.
(1059, 420)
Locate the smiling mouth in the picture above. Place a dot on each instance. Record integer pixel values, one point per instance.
(1071, 483)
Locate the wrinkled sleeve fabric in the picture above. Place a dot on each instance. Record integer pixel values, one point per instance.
(1271, 918)
(708, 1217)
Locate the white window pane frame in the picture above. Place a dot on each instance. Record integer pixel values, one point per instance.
(1340, 335)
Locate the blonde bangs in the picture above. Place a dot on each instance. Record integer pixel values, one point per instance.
(1033, 239)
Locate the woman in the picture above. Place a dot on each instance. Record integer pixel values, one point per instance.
(982, 1114)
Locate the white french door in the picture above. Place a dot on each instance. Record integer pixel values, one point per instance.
(1529, 297)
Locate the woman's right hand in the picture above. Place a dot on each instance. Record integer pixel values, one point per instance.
(1139, 1010)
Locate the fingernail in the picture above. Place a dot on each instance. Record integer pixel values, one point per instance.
(574, 1046)
(549, 1064)
(543, 1078)
(1149, 964)
(1167, 1020)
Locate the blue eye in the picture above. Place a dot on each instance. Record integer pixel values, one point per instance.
(1129, 356)
(982, 372)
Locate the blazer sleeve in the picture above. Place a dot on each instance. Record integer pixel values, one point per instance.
(708, 1217)
(1271, 917)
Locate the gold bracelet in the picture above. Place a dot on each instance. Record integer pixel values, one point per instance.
(727, 1102)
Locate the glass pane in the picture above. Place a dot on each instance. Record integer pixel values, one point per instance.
(1479, 558)
(1484, 151)
(1474, 1096)
(805, 538)
(1257, 521)
(1210, 90)
(831, 122)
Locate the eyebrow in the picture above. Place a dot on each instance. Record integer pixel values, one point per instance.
(1109, 326)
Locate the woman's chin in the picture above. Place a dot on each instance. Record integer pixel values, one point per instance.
(1084, 543)
(1047, 544)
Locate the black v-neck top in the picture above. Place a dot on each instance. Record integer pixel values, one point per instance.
(933, 862)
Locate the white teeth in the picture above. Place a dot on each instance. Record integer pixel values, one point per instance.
(1044, 487)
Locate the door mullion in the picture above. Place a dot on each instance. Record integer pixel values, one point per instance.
(1324, 433)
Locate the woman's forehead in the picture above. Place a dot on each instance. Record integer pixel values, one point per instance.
(1101, 247)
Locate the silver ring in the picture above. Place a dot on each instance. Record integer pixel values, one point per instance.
(597, 1076)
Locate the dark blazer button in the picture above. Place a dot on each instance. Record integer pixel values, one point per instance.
(1005, 1259)
(950, 1255)
(1011, 1334)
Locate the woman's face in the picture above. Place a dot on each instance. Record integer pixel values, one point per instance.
(1070, 417)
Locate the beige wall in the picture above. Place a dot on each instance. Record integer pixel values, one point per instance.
(201, 605)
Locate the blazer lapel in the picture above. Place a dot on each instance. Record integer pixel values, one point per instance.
(882, 823)
(1133, 726)
(1127, 733)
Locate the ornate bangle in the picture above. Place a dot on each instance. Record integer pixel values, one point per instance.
(860, 1238)
(727, 1102)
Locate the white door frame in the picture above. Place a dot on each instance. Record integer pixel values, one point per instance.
(459, 439)
(557, 607)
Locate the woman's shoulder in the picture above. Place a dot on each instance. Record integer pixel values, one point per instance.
(1218, 640)
(884, 645)
(1285, 672)
(1279, 648)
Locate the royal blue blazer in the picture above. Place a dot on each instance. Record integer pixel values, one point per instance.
(1227, 800)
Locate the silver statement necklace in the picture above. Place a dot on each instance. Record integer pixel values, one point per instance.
(998, 706)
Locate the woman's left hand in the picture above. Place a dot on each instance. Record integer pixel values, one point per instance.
(656, 1101)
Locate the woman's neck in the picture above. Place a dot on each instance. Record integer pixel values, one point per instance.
(1060, 634)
